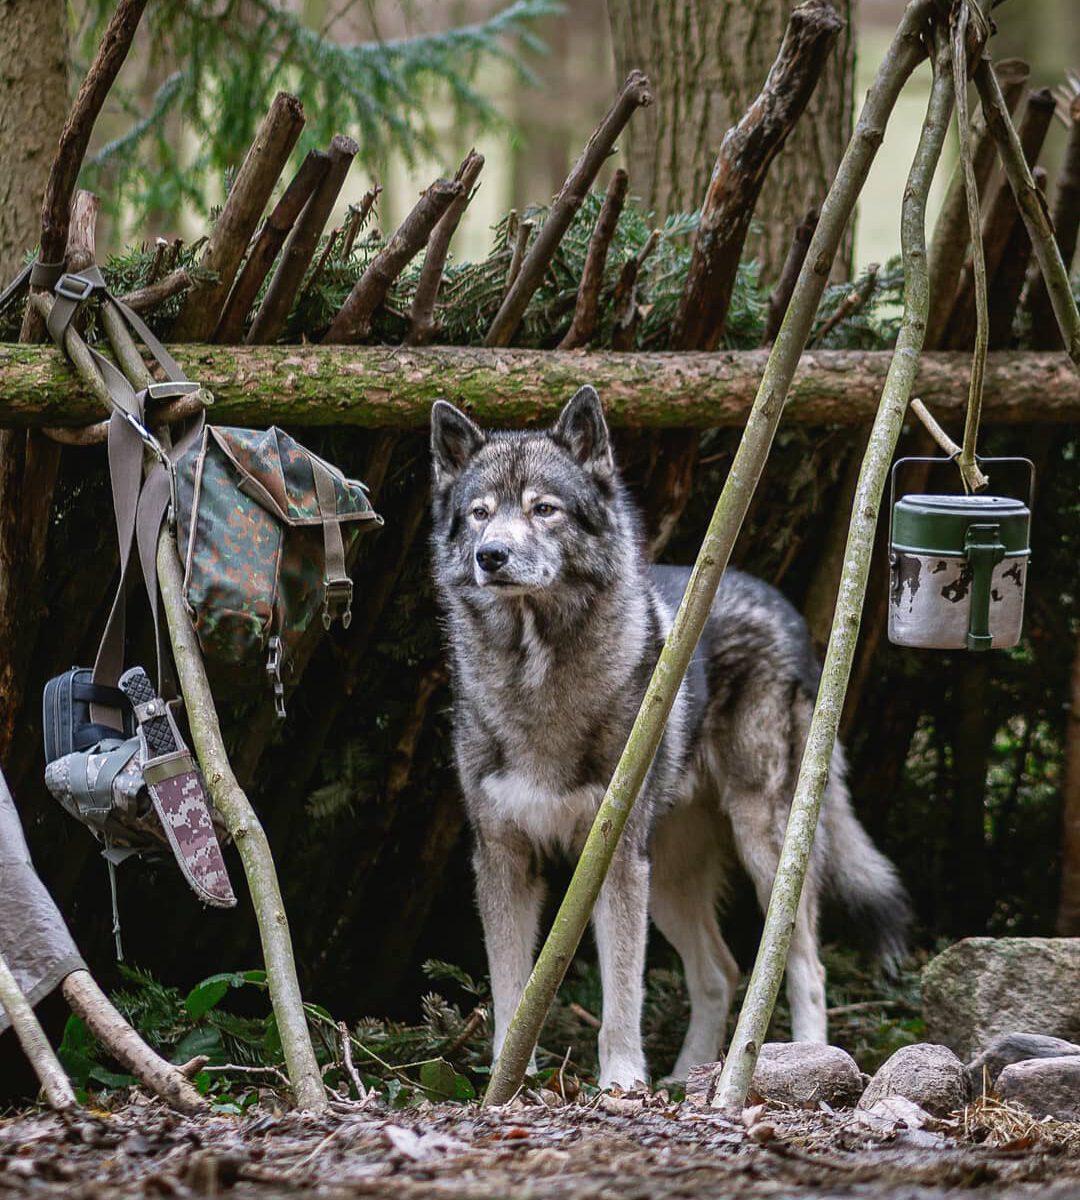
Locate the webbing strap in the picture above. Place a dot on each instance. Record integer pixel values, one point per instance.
(338, 585)
(128, 435)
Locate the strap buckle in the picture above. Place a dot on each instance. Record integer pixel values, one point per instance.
(75, 287)
(170, 389)
(337, 601)
(273, 669)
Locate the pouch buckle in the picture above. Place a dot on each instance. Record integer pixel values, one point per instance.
(337, 601)
(75, 287)
(170, 389)
(273, 669)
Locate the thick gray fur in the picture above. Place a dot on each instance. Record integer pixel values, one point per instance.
(555, 622)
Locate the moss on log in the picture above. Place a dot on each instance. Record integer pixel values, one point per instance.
(394, 386)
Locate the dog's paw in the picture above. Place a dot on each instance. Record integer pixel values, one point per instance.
(626, 1074)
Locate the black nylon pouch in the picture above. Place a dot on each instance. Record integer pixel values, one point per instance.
(66, 713)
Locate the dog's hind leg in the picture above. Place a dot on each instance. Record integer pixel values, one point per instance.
(687, 873)
(510, 893)
(757, 840)
(621, 920)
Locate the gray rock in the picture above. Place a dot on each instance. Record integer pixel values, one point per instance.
(1046, 1087)
(930, 1076)
(800, 1073)
(983, 987)
(1011, 1048)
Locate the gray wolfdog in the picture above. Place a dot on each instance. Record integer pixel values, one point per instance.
(555, 623)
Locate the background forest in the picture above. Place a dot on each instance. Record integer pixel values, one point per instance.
(959, 762)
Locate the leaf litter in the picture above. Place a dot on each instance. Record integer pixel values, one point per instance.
(636, 1145)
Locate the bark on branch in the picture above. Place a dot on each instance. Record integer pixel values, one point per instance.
(634, 95)
(353, 322)
(1032, 205)
(592, 277)
(54, 1082)
(740, 170)
(393, 386)
(244, 206)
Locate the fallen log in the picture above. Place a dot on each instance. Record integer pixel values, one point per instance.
(394, 386)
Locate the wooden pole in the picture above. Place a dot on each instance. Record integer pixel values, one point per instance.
(904, 54)
(248, 834)
(422, 327)
(769, 967)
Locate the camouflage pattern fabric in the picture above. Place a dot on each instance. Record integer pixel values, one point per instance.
(177, 791)
(180, 802)
(130, 821)
(251, 538)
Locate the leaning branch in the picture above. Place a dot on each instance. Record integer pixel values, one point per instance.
(739, 173)
(246, 831)
(54, 1083)
(761, 993)
(244, 206)
(1032, 205)
(592, 276)
(635, 94)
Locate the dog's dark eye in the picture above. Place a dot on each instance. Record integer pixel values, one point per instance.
(545, 510)
(480, 513)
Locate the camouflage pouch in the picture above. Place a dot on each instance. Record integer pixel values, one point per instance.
(265, 529)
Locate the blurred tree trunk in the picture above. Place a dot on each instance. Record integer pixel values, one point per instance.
(33, 106)
(1068, 917)
(707, 60)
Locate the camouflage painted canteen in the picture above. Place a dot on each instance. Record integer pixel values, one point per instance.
(958, 566)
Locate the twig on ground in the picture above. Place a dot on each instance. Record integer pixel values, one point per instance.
(346, 1058)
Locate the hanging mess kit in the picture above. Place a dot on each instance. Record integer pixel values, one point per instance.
(264, 531)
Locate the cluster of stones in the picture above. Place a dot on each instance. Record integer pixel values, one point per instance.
(1010, 1007)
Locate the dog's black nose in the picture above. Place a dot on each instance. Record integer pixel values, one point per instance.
(492, 555)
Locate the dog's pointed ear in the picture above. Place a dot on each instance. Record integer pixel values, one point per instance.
(454, 440)
(581, 428)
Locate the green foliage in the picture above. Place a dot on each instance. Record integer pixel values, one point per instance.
(235, 54)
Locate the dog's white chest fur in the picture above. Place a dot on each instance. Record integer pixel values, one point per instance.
(548, 817)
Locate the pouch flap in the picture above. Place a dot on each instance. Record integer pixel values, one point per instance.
(276, 472)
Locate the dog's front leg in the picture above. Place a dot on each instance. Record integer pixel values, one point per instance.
(510, 893)
(621, 923)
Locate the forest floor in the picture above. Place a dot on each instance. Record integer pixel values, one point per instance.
(629, 1146)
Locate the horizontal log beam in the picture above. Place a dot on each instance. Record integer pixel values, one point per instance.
(394, 386)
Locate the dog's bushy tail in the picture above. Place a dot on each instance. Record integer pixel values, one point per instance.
(861, 877)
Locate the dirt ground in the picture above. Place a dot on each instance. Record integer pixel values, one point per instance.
(629, 1146)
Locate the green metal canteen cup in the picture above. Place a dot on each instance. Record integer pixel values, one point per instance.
(958, 566)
